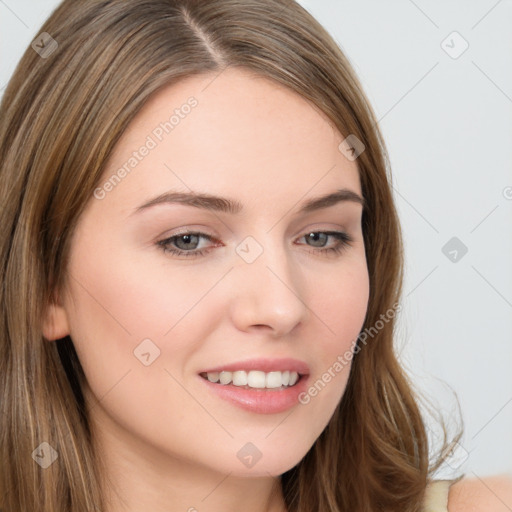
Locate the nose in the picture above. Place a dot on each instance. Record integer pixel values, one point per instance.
(267, 294)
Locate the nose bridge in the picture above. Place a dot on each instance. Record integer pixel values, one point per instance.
(267, 289)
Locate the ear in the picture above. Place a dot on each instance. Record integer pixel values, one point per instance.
(55, 324)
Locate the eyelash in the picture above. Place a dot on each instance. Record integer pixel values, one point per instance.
(344, 241)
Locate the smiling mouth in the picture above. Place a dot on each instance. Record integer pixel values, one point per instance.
(254, 379)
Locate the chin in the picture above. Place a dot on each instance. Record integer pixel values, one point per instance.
(273, 461)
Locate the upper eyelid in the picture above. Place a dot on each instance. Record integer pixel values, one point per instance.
(347, 227)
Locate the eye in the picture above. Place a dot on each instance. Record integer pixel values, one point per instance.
(319, 239)
(186, 244)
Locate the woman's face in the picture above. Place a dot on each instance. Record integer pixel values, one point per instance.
(262, 290)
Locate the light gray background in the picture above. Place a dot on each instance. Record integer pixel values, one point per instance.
(447, 123)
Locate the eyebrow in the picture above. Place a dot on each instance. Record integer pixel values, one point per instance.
(223, 204)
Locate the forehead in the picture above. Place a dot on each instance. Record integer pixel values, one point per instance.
(232, 130)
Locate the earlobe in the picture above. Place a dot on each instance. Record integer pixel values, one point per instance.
(55, 325)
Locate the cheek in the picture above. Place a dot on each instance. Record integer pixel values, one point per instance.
(119, 303)
(125, 299)
(341, 304)
(121, 310)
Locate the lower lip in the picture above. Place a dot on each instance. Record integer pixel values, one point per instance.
(262, 401)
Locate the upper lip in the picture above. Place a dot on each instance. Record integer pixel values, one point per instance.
(264, 365)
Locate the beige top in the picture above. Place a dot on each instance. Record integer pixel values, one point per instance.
(436, 495)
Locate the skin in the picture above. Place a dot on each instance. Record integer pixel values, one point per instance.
(490, 494)
(168, 442)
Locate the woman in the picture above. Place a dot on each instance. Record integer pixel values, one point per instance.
(199, 236)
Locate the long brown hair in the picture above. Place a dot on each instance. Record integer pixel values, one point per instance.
(61, 116)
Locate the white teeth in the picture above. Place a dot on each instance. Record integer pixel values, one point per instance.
(225, 377)
(240, 378)
(213, 376)
(255, 378)
(273, 380)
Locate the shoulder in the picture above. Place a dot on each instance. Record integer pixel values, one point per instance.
(489, 494)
